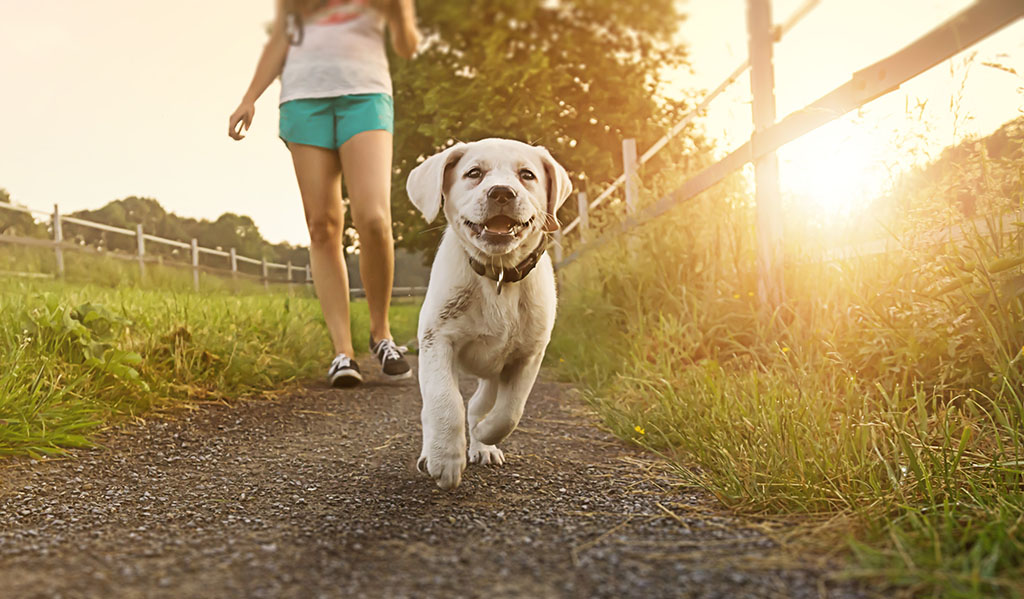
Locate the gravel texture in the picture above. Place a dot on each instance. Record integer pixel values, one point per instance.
(315, 494)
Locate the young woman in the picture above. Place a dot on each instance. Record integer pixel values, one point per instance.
(337, 118)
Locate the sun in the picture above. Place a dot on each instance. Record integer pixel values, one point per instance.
(834, 172)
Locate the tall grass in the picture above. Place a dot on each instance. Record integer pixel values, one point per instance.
(79, 359)
(885, 393)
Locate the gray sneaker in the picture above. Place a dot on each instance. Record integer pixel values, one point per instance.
(392, 363)
(344, 372)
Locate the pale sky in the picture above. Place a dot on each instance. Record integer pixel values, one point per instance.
(102, 100)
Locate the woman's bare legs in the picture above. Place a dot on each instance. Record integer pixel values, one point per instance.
(366, 162)
(319, 174)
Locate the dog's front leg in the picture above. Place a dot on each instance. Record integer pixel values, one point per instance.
(443, 416)
(514, 387)
(479, 405)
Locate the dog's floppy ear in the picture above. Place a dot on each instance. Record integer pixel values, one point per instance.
(425, 184)
(559, 188)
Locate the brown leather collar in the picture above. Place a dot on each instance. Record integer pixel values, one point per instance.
(514, 274)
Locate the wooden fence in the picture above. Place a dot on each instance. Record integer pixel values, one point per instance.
(976, 22)
(59, 244)
(269, 272)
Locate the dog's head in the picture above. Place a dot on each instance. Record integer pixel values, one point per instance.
(498, 193)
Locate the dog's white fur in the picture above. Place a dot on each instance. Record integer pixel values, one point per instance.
(465, 324)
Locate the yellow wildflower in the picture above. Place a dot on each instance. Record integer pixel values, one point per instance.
(639, 429)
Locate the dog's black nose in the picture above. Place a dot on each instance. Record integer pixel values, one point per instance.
(501, 194)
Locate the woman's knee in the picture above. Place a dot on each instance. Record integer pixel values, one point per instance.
(376, 225)
(325, 229)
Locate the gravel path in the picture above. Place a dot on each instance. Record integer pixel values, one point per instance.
(315, 495)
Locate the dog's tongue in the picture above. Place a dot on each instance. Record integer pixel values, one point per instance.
(499, 224)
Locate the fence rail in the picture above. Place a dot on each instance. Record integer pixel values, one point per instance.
(976, 22)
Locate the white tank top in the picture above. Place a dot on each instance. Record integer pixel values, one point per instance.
(341, 53)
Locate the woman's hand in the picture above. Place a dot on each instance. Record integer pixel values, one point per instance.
(384, 7)
(240, 119)
(401, 16)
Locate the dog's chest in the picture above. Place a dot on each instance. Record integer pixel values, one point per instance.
(495, 333)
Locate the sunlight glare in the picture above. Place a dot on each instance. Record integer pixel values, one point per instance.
(834, 172)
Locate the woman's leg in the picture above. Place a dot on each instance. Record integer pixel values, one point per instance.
(366, 162)
(319, 175)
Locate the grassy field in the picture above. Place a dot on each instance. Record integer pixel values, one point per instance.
(880, 404)
(80, 358)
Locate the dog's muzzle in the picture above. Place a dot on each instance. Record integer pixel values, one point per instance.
(501, 194)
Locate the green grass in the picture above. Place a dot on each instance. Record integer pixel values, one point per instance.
(885, 396)
(82, 358)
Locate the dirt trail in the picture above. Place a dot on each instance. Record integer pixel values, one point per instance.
(315, 495)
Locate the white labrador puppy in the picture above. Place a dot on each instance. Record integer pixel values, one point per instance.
(490, 303)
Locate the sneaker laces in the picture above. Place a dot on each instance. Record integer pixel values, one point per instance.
(390, 350)
(341, 361)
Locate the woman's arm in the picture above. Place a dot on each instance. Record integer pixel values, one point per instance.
(405, 36)
(267, 69)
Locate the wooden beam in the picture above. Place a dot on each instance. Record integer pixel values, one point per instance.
(766, 166)
(973, 24)
(195, 263)
(140, 238)
(629, 170)
(582, 216)
(58, 239)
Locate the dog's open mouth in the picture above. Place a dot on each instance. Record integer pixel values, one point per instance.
(498, 228)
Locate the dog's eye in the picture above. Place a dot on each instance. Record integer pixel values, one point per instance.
(527, 175)
(473, 173)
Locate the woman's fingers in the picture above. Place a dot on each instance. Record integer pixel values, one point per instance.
(239, 122)
(235, 126)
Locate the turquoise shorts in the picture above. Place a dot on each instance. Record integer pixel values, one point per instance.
(330, 122)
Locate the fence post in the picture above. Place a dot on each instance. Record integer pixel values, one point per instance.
(309, 275)
(289, 274)
(558, 254)
(766, 168)
(629, 163)
(195, 263)
(58, 239)
(234, 263)
(581, 200)
(266, 280)
(141, 244)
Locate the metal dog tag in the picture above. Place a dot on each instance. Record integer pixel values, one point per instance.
(501, 279)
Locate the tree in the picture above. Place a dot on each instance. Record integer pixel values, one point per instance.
(231, 231)
(20, 224)
(576, 76)
(126, 214)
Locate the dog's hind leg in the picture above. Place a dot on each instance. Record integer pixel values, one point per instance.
(514, 387)
(479, 406)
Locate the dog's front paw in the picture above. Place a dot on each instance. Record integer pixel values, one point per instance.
(444, 467)
(485, 454)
